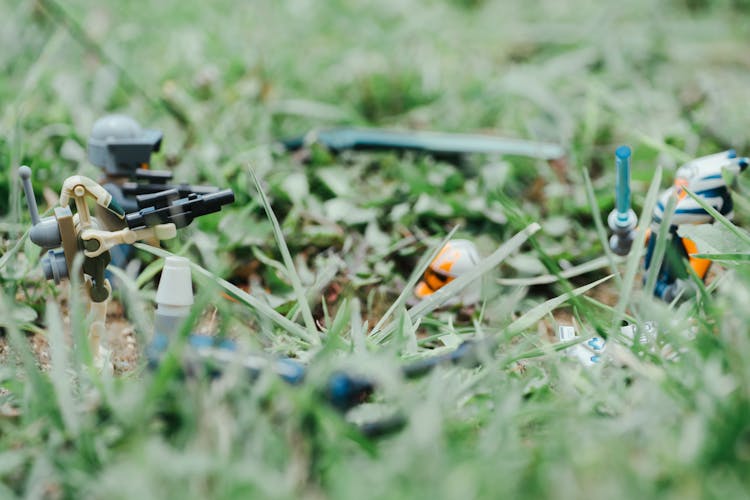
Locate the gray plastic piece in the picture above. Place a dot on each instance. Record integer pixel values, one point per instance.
(46, 233)
(622, 239)
(54, 266)
(119, 145)
(168, 324)
(25, 173)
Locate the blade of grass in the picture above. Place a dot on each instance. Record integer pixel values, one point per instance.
(661, 245)
(14, 250)
(724, 257)
(289, 263)
(742, 235)
(663, 147)
(359, 342)
(416, 274)
(39, 393)
(454, 287)
(607, 307)
(537, 313)
(58, 369)
(59, 15)
(546, 279)
(601, 231)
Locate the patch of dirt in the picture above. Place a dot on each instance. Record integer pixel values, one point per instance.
(121, 341)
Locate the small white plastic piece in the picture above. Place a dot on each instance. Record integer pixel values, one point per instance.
(174, 297)
(566, 333)
(175, 292)
(587, 353)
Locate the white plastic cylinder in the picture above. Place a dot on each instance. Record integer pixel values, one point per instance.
(174, 297)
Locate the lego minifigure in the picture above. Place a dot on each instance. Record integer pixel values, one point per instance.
(703, 177)
(122, 149)
(65, 236)
(454, 259)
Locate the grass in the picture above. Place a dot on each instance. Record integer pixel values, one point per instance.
(330, 248)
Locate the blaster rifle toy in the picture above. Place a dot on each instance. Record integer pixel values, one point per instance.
(155, 181)
(167, 207)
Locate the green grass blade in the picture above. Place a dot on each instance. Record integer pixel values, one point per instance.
(416, 274)
(537, 313)
(14, 250)
(359, 341)
(58, 369)
(438, 298)
(601, 230)
(299, 291)
(738, 257)
(661, 245)
(663, 147)
(547, 279)
(742, 235)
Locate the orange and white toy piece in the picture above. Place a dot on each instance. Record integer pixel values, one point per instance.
(454, 259)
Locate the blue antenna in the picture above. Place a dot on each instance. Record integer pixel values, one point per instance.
(622, 220)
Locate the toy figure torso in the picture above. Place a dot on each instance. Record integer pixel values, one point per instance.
(702, 176)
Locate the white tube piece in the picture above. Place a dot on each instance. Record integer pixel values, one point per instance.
(174, 297)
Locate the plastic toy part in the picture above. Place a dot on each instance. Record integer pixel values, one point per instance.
(122, 149)
(622, 220)
(24, 173)
(174, 297)
(119, 145)
(175, 288)
(454, 259)
(174, 300)
(442, 145)
(705, 178)
(166, 208)
(587, 353)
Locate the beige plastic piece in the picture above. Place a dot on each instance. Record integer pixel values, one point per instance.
(68, 236)
(109, 239)
(79, 187)
(98, 315)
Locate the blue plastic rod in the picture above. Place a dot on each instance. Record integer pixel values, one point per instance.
(622, 185)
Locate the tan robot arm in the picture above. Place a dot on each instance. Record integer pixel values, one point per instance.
(97, 241)
(79, 187)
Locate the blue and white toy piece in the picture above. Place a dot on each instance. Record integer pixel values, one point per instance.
(587, 353)
(704, 177)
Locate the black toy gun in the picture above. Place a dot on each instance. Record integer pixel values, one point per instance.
(167, 207)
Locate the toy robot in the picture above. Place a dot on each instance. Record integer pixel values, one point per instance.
(702, 176)
(454, 259)
(69, 239)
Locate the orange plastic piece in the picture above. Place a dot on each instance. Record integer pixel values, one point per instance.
(700, 266)
(679, 184)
